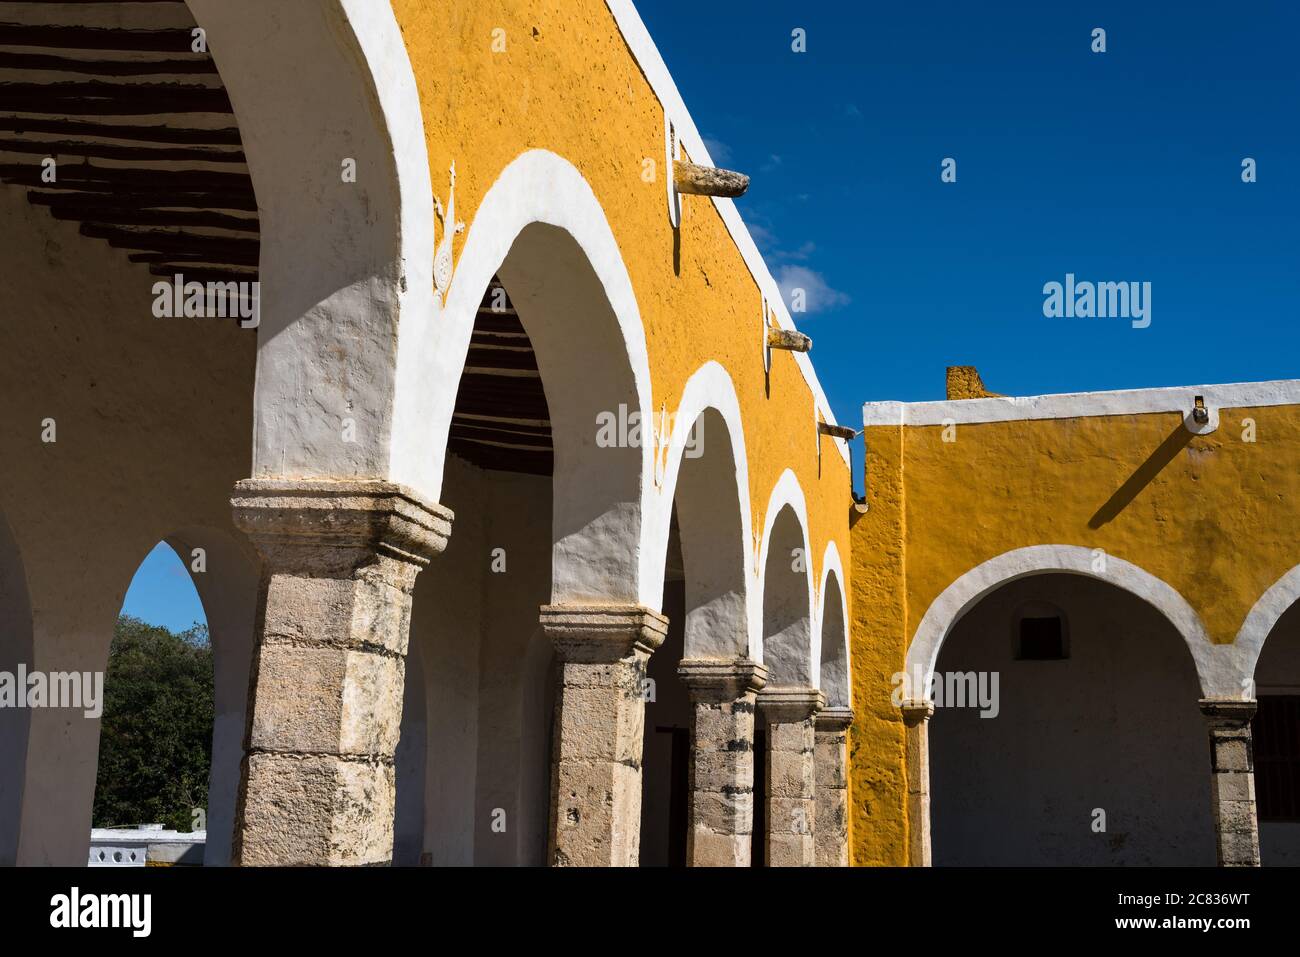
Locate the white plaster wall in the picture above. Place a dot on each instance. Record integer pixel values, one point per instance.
(1116, 726)
(713, 543)
(446, 628)
(787, 606)
(515, 691)
(153, 431)
(346, 267)
(1278, 672)
(479, 723)
(835, 678)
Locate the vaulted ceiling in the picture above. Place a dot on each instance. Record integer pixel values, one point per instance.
(148, 154)
(149, 159)
(501, 421)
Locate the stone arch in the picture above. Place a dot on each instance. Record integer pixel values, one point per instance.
(542, 230)
(786, 596)
(707, 478)
(832, 632)
(346, 267)
(1215, 670)
(15, 648)
(1262, 617)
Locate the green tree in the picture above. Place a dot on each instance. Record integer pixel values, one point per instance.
(155, 740)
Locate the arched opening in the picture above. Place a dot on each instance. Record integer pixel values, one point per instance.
(787, 620)
(665, 755)
(705, 600)
(1066, 731)
(155, 734)
(783, 820)
(1276, 738)
(831, 751)
(174, 699)
(834, 662)
(543, 470)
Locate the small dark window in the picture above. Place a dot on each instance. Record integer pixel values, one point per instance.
(1276, 734)
(1041, 639)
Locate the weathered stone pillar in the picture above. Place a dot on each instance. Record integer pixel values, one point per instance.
(339, 563)
(832, 762)
(1232, 781)
(790, 791)
(721, 819)
(916, 717)
(599, 727)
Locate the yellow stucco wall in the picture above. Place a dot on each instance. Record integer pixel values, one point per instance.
(568, 83)
(1213, 516)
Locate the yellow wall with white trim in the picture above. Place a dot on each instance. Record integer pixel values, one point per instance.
(1214, 516)
(567, 82)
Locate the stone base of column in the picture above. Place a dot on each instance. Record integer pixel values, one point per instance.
(599, 730)
(721, 818)
(791, 787)
(831, 759)
(1232, 781)
(339, 563)
(916, 719)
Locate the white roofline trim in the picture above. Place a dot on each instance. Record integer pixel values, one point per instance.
(661, 82)
(1072, 405)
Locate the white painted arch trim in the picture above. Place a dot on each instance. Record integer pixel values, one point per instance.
(831, 565)
(538, 186)
(1071, 405)
(652, 64)
(786, 492)
(1219, 668)
(345, 268)
(1263, 616)
(709, 387)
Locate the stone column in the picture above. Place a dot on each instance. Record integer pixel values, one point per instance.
(831, 759)
(791, 788)
(916, 717)
(599, 730)
(339, 564)
(721, 821)
(1232, 781)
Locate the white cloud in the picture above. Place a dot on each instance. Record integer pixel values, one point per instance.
(764, 238)
(719, 151)
(818, 294)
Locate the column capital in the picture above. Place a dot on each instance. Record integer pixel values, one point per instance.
(1228, 714)
(602, 633)
(722, 679)
(916, 711)
(834, 719)
(379, 516)
(786, 704)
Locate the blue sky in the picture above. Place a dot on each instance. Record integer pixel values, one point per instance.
(162, 593)
(1115, 166)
